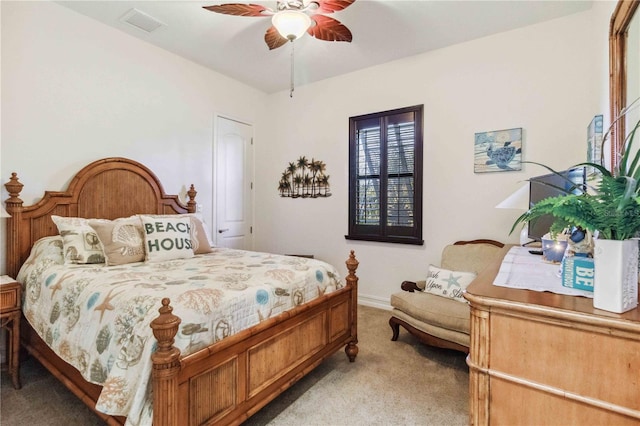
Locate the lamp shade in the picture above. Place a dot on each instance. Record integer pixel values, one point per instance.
(3, 213)
(519, 200)
(291, 24)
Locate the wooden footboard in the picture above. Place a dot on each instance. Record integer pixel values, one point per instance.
(232, 379)
(229, 381)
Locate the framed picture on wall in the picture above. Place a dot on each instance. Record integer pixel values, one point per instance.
(498, 151)
(594, 145)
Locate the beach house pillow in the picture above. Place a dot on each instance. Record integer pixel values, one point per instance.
(199, 236)
(80, 242)
(447, 283)
(167, 238)
(122, 240)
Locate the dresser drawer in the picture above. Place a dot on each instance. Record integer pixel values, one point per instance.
(568, 356)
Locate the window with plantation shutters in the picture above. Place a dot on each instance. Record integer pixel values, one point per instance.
(385, 176)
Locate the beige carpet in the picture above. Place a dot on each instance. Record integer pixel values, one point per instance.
(390, 383)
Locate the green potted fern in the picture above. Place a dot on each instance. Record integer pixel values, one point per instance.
(611, 210)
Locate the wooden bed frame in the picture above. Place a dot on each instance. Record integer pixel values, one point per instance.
(224, 383)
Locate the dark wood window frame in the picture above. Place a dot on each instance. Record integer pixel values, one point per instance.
(380, 225)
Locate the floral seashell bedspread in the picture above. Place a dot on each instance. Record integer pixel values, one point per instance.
(97, 317)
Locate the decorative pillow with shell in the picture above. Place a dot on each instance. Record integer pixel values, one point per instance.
(199, 235)
(80, 241)
(122, 240)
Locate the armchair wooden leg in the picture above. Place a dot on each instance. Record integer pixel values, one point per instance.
(425, 338)
(395, 326)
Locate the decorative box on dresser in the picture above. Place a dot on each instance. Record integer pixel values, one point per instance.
(539, 358)
(10, 297)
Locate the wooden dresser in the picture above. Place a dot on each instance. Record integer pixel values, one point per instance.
(538, 358)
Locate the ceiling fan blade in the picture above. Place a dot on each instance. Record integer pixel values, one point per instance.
(239, 9)
(329, 29)
(273, 38)
(330, 6)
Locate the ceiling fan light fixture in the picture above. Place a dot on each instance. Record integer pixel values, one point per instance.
(291, 24)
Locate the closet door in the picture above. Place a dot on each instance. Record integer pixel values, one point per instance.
(233, 171)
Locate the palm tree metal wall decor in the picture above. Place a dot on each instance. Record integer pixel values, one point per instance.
(304, 178)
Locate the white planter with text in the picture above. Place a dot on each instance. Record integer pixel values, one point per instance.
(616, 275)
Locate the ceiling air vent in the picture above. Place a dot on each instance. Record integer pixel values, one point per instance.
(141, 21)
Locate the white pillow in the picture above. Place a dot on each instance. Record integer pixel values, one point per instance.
(447, 283)
(81, 243)
(167, 238)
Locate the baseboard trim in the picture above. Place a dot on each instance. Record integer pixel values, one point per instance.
(374, 302)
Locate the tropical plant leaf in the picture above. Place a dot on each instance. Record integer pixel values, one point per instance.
(573, 186)
(633, 169)
(613, 210)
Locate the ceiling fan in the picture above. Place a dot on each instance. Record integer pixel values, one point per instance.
(292, 18)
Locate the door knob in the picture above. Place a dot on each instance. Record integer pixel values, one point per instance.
(220, 231)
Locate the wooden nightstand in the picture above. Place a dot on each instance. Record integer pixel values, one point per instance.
(10, 297)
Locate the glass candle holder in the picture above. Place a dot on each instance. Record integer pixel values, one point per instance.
(553, 251)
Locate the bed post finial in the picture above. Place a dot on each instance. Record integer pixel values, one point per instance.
(191, 204)
(352, 281)
(14, 187)
(352, 265)
(14, 208)
(165, 326)
(166, 365)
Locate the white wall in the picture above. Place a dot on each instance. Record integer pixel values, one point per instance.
(75, 90)
(541, 78)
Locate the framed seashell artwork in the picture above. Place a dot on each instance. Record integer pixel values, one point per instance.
(498, 151)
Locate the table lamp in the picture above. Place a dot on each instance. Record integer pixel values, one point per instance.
(519, 200)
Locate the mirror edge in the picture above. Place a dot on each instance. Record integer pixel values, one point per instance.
(620, 19)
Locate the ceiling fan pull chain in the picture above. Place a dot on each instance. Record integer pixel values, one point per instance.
(292, 70)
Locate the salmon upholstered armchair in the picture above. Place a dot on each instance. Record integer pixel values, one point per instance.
(433, 309)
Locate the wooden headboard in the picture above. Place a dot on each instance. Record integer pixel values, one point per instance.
(108, 189)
